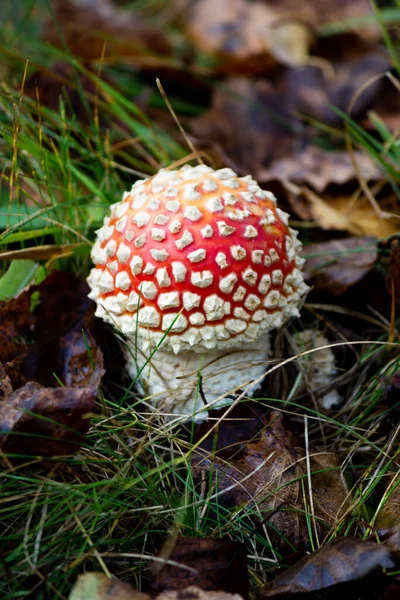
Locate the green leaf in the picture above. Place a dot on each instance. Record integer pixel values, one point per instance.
(17, 277)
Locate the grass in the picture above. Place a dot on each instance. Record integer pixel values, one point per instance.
(112, 506)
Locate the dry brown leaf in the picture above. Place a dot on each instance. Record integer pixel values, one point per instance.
(336, 265)
(319, 169)
(345, 560)
(246, 36)
(267, 472)
(194, 593)
(389, 515)
(213, 563)
(97, 586)
(361, 215)
(353, 214)
(252, 37)
(356, 83)
(91, 28)
(42, 421)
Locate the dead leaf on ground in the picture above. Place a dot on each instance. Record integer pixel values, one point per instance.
(253, 37)
(214, 564)
(40, 421)
(91, 28)
(336, 265)
(248, 121)
(97, 586)
(267, 473)
(389, 515)
(313, 91)
(194, 593)
(247, 37)
(354, 214)
(344, 560)
(319, 169)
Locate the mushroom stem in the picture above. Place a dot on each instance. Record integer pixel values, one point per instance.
(170, 382)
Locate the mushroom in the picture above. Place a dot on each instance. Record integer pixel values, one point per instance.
(195, 267)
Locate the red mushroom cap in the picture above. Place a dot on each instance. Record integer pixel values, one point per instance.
(203, 256)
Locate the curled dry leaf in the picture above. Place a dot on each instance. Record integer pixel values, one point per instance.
(342, 561)
(40, 421)
(319, 169)
(210, 564)
(267, 473)
(336, 265)
(92, 28)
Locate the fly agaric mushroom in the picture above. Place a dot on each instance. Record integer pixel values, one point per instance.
(196, 263)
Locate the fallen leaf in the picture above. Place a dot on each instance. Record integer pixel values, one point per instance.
(267, 473)
(194, 593)
(345, 84)
(249, 122)
(319, 169)
(253, 37)
(214, 564)
(97, 586)
(246, 37)
(336, 265)
(344, 560)
(389, 514)
(100, 30)
(342, 213)
(45, 421)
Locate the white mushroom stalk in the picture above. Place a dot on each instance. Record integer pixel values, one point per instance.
(201, 265)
